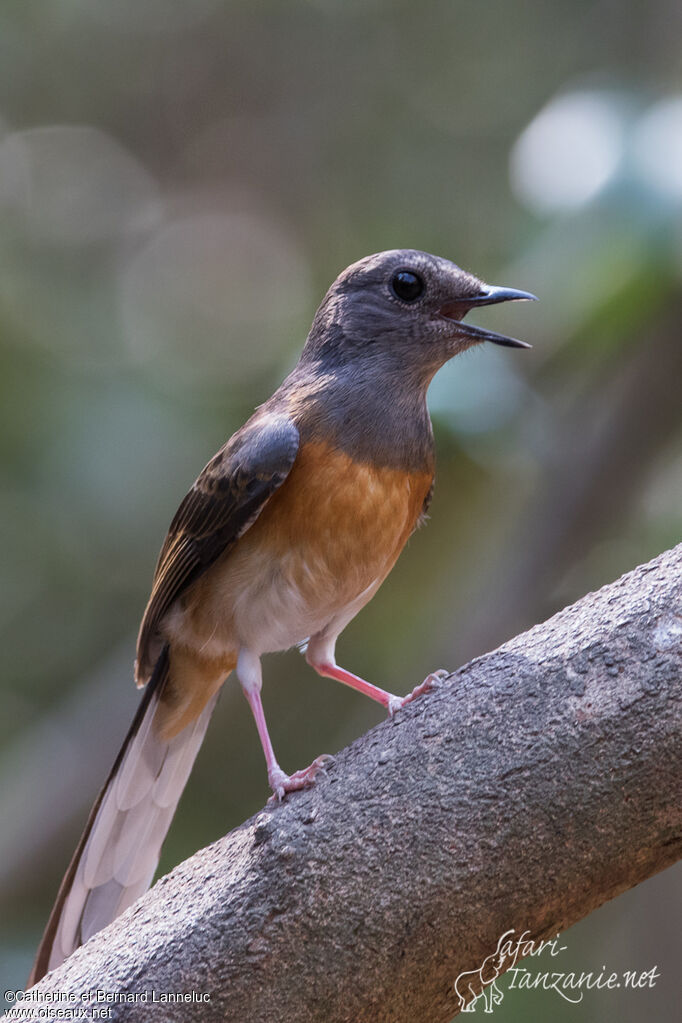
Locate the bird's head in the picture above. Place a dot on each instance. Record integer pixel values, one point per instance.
(405, 307)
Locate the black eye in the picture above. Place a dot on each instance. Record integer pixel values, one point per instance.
(407, 285)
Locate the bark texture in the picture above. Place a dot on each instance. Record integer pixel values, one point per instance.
(534, 784)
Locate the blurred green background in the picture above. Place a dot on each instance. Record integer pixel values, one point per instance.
(179, 184)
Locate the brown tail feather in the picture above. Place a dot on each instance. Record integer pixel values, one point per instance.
(119, 850)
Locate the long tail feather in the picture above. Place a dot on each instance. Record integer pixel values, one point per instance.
(119, 850)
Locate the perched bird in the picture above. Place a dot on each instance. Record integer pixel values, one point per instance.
(286, 534)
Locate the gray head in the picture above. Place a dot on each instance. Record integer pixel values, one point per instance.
(406, 308)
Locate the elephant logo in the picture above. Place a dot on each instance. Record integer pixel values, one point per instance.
(472, 985)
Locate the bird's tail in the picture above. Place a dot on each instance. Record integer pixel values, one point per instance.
(119, 850)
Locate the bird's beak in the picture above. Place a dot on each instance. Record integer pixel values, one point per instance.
(489, 295)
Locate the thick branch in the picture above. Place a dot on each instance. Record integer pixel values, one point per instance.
(536, 783)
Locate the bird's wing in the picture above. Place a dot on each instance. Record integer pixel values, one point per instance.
(225, 500)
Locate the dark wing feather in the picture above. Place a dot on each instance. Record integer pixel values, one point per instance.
(225, 500)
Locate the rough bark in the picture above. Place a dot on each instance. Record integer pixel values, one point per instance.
(534, 784)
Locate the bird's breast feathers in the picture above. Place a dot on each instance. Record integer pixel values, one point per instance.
(326, 538)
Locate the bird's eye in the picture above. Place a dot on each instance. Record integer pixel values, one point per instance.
(407, 286)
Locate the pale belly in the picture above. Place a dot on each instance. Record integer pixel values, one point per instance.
(316, 554)
(276, 603)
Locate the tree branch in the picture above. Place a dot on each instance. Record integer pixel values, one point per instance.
(536, 783)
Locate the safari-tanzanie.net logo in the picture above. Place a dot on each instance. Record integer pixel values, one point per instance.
(480, 985)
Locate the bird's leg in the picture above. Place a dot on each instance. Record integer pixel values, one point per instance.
(251, 679)
(320, 656)
(329, 669)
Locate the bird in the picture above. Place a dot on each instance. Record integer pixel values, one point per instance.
(286, 534)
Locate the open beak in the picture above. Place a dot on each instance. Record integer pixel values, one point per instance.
(489, 295)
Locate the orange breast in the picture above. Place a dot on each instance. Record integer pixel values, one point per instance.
(350, 516)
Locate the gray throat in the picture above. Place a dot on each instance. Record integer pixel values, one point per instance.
(375, 414)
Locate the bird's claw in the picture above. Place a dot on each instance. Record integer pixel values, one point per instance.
(432, 681)
(281, 783)
(434, 678)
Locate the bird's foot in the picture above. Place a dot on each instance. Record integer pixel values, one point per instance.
(281, 783)
(430, 682)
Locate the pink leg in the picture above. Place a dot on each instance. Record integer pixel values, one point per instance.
(248, 670)
(279, 782)
(328, 669)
